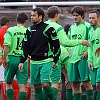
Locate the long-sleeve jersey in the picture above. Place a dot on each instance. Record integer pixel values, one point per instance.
(94, 39)
(64, 40)
(78, 32)
(40, 43)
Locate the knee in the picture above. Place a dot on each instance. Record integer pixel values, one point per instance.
(44, 85)
(98, 86)
(8, 85)
(22, 87)
(87, 85)
(76, 86)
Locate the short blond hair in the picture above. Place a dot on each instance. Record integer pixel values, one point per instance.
(52, 11)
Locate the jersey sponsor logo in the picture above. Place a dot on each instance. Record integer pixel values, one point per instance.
(77, 36)
(96, 41)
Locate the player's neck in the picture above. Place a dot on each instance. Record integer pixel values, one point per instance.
(20, 24)
(5, 26)
(53, 19)
(96, 25)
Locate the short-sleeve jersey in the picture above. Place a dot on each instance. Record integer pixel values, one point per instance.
(13, 38)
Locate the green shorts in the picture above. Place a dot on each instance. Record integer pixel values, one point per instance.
(56, 73)
(12, 70)
(79, 71)
(95, 76)
(40, 73)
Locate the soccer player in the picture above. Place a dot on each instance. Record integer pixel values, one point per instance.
(42, 44)
(97, 52)
(79, 71)
(53, 14)
(4, 22)
(94, 60)
(12, 52)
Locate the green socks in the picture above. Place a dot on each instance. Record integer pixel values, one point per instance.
(38, 94)
(69, 95)
(22, 96)
(44, 95)
(55, 93)
(77, 96)
(10, 94)
(98, 95)
(89, 95)
(49, 93)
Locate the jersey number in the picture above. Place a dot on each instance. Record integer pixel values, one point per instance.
(19, 44)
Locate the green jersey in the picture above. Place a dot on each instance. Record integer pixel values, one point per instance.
(78, 32)
(63, 54)
(62, 35)
(13, 38)
(94, 39)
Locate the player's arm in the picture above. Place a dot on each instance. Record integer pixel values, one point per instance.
(90, 55)
(65, 41)
(26, 49)
(55, 44)
(7, 44)
(6, 49)
(64, 71)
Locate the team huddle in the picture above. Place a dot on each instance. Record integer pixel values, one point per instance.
(73, 50)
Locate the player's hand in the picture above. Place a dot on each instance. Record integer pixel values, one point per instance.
(90, 65)
(84, 55)
(53, 65)
(85, 43)
(97, 52)
(20, 67)
(5, 63)
(0, 61)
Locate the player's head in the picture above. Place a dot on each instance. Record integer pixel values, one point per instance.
(53, 12)
(22, 18)
(4, 21)
(78, 14)
(37, 15)
(94, 16)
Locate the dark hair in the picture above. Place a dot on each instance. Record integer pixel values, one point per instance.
(79, 10)
(22, 17)
(51, 11)
(66, 28)
(3, 20)
(98, 10)
(39, 12)
(95, 11)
